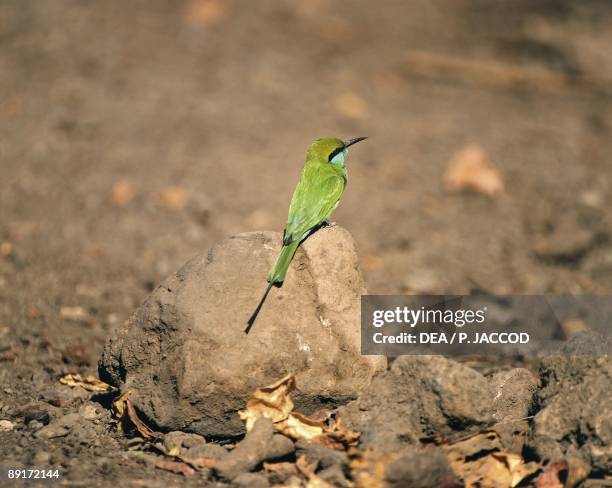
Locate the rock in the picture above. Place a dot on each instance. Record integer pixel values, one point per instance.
(419, 396)
(187, 363)
(334, 475)
(182, 440)
(39, 415)
(420, 468)
(513, 402)
(514, 393)
(89, 412)
(41, 459)
(260, 444)
(251, 480)
(193, 446)
(575, 387)
(6, 425)
(59, 428)
(55, 398)
(320, 456)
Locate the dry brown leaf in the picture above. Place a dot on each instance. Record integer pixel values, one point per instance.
(144, 431)
(272, 401)
(119, 406)
(88, 382)
(471, 170)
(299, 426)
(122, 193)
(480, 462)
(338, 432)
(173, 197)
(177, 467)
(351, 105)
(206, 12)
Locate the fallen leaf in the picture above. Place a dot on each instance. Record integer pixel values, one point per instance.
(88, 382)
(122, 193)
(144, 431)
(119, 406)
(471, 170)
(274, 402)
(206, 12)
(177, 467)
(298, 426)
(351, 105)
(271, 401)
(480, 461)
(173, 197)
(76, 314)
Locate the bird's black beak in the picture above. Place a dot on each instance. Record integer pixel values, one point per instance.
(354, 140)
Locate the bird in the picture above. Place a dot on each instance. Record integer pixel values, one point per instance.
(316, 196)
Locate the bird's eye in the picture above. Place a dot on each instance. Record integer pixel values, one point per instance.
(338, 156)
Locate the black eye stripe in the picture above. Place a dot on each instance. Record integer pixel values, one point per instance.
(335, 153)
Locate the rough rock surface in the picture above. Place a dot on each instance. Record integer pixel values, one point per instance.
(260, 444)
(419, 396)
(184, 356)
(575, 419)
(420, 469)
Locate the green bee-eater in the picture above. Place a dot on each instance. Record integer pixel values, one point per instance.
(316, 196)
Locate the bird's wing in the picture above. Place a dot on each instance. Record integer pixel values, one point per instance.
(314, 200)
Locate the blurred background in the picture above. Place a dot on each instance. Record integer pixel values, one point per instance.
(137, 134)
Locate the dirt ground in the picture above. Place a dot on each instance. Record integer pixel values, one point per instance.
(136, 134)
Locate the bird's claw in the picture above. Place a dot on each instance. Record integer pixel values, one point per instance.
(327, 223)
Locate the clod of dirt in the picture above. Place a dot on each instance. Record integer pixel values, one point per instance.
(513, 402)
(187, 363)
(420, 469)
(320, 456)
(251, 480)
(59, 428)
(575, 387)
(417, 397)
(260, 444)
(192, 446)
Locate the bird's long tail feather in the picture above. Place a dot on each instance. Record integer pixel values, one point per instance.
(275, 278)
(251, 321)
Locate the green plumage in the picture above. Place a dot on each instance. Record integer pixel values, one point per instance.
(316, 196)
